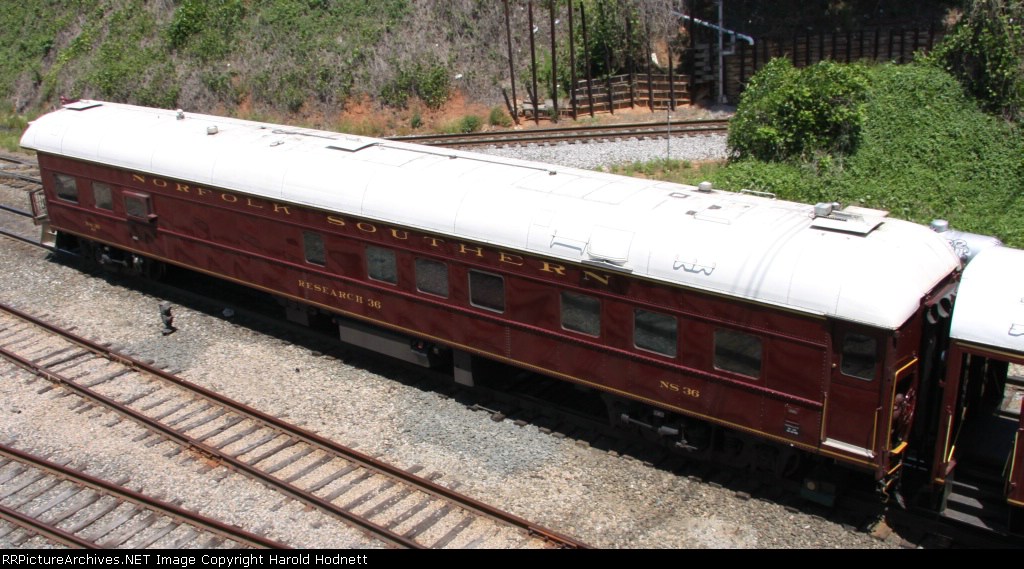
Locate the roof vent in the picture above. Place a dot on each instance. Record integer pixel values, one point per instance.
(825, 209)
(850, 220)
(705, 187)
(180, 114)
(939, 225)
(212, 129)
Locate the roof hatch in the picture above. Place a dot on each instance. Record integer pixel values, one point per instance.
(857, 221)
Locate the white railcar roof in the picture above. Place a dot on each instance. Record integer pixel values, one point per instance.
(990, 300)
(756, 248)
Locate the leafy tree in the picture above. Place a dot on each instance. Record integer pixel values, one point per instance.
(986, 53)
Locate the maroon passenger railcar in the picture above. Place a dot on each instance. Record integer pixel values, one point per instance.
(794, 327)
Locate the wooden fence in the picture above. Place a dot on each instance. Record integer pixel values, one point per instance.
(896, 45)
(654, 91)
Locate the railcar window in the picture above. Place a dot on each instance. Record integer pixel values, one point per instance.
(137, 205)
(655, 332)
(738, 352)
(313, 243)
(581, 313)
(67, 187)
(860, 355)
(102, 195)
(432, 277)
(487, 291)
(381, 265)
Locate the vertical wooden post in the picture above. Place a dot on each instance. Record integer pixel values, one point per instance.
(511, 66)
(629, 61)
(807, 50)
(878, 33)
(849, 46)
(572, 65)
(690, 65)
(607, 63)
(586, 58)
(753, 53)
(554, 62)
(533, 66)
(650, 79)
(743, 63)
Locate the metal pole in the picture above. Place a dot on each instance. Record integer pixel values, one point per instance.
(511, 67)
(671, 82)
(554, 62)
(533, 67)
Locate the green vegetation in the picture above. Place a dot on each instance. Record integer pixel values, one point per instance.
(279, 53)
(429, 81)
(986, 53)
(499, 117)
(11, 127)
(926, 151)
(464, 125)
(790, 113)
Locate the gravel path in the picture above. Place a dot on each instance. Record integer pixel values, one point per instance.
(605, 500)
(594, 155)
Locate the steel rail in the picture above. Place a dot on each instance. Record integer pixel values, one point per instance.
(17, 237)
(15, 211)
(16, 160)
(21, 177)
(46, 530)
(170, 510)
(681, 128)
(310, 438)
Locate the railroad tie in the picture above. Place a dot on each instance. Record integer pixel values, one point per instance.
(157, 535)
(218, 430)
(331, 478)
(348, 486)
(429, 521)
(290, 460)
(129, 531)
(453, 533)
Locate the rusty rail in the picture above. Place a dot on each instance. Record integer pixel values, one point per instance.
(568, 134)
(310, 438)
(170, 510)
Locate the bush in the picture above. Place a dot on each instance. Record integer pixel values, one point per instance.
(499, 117)
(985, 53)
(926, 151)
(470, 123)
(428, 81)
(787, 112)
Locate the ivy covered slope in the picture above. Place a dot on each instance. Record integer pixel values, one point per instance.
(910, 142)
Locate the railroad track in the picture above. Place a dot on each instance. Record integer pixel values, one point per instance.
(24, 171)
(572, 134)
(396, 506)
(72, 508)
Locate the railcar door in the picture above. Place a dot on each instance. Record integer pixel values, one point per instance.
(853, 396)
(142, 220)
